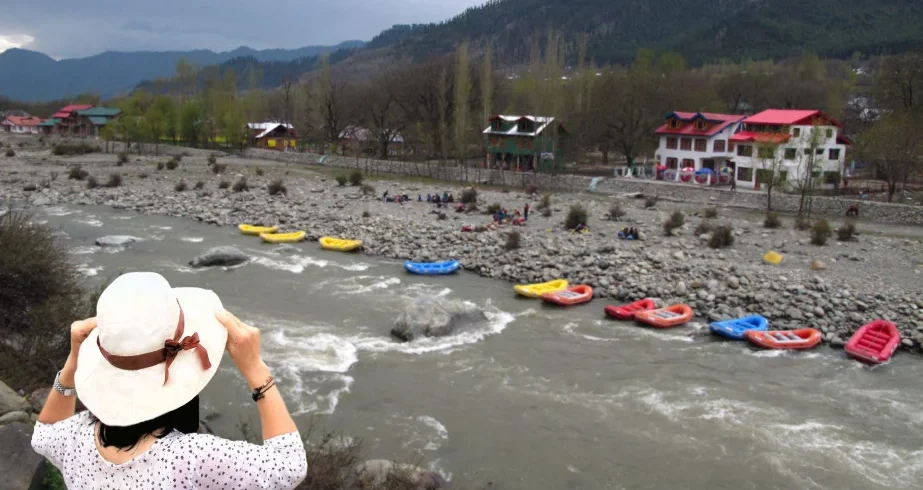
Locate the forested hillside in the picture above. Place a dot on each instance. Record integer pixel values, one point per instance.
(702, 32)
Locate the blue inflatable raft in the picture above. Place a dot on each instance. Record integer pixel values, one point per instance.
(432, 268)
(737, 329)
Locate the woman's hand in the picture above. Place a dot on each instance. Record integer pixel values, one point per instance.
(244, 348)
(80, 330)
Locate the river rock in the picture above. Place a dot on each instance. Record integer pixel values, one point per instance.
(18, 462)
(680, 288)
(436, 317)
(220, 256)
(374, 473)
(116, 241)
(733, 282)
(10, 401)
(9, 418)
(37, 399)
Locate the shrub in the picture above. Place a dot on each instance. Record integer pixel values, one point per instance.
(545, 203)
(180, 186)
(142, 175)
(616, 211)
(92, 183)
(172, 163)
(259, 171)
(845, 233)
(469, 196)
(179, 157)
(546, 212)
(276, 187)
(802, 224)
(722, 237)
(772, 221)
(159, 165)
(355, 177)
(512, 240)
(53, 175)
(63, 149)
(342, 180)
(675, 221)
(441, 217)
(650, 201)
(704, 227)
(212, 159)
(575, 216)
(531, 189)
(115, 180)
(10, 152)
(820, 232)
(41, 294)
(22, 144)
(30, 187)
(493, 208)
(366, 214)
(471, 208)
(711, 213)
(368, 190)
(77, 173)
(199, 185)
(241, 185)
(218, 168)
(122, 160)
(224, 184)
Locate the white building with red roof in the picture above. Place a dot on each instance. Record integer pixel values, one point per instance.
(21, 125)
(696, 140)
(792, 143)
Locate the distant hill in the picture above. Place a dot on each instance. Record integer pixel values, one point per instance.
(31, 76)
(703, 31)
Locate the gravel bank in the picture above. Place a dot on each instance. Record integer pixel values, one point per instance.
(872, 276)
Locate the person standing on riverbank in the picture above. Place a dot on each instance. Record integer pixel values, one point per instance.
(525, 212)
(139, 367)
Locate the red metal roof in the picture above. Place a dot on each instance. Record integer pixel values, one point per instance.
(789, 117)
(23, 121)
(66, 110)
(720, 121)
(751, 137)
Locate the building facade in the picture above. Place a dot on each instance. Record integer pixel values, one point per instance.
(526, 143)
(91, 121)
(695, 140)
(67, 121)
(272, 136)
(21, 125)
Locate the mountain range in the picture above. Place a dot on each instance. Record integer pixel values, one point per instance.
(32, 76)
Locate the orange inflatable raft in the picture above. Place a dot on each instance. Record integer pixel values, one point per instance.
(671, 316)
(801, 339)
(574, 295)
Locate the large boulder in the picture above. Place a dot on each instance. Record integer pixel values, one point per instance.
(436, 317)
(116, 241)
(37, 398)
(18, 462)
(10, 401)
(220, 256)
(374, 473)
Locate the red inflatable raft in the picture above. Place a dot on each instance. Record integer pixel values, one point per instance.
(802, 339)
(874, 343)
(671, 316)
(573, 295)
(627, 312)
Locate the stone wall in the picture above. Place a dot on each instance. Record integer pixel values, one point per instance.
(785, 203)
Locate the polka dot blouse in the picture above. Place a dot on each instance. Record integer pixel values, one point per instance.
(178, 461)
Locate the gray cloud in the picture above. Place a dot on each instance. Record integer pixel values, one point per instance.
(66, 29)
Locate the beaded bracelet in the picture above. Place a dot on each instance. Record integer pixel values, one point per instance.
(260, 391)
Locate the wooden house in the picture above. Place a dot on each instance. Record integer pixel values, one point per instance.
(526, 143)
(273, 136)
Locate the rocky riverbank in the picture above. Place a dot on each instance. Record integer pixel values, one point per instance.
(851, 283)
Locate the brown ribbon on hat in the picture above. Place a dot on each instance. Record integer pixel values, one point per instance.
(171, 347)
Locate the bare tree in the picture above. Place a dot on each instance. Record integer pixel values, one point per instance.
(770, 174)
(894, 144)
(899, 84)
(382, 113)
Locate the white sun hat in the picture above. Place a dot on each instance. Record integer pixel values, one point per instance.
(153, 350)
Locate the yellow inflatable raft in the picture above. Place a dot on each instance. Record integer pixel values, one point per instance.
(293, 237)
(339, 244)
(537, 290)
(256, 230)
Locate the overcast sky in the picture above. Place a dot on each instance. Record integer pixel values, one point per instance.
(68, 28)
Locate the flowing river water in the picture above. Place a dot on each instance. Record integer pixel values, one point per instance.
(533, 397)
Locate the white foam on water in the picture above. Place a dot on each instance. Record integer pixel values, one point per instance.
(383, 283)
(41, 222)
(441, 432)
(192, 239)
(90, 221)
(497, 321)
(88, 271)
(123, 218)
(571, 468)
(320, 352)
(296, 264)
(60, 211)
(660, 334)
(355, 267)
(164, 228)
(597, 339)
(84, 250)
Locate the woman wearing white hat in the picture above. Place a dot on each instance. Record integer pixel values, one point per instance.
(139, 367)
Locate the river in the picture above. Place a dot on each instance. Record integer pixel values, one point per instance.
(534, 397)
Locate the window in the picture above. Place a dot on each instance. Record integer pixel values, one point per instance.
(671, 143)
(829, 134)
(745, 174)
(685, 144)
(817, 151)
(688, 163)
(674, 124)
(766, 152)
(834, 154)
(744, 150)
(701, 145)
(672, 163)
(790, 153)
(796, 132)
(700, 125)
(719, 146)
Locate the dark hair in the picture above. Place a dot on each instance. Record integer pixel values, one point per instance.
(184, 419)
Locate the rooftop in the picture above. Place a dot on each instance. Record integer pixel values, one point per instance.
(67, 110)
(22, 121)
(267, 127)
(99, 112)
(719, 123)
(540, 124)
(789, 117)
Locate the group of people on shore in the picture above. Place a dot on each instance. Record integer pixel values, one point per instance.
(515, 218)
(436, 199)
